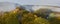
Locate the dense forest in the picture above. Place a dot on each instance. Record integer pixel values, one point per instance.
(22, 16)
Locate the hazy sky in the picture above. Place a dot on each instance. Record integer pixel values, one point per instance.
(34, 2)
(7, 7)
(31, 2)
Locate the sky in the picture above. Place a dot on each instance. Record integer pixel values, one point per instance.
(29, 2)
(34, 2)
(7, 6)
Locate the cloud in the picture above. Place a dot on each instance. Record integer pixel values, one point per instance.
(34, 2)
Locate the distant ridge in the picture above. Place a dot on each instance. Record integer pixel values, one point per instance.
(45, 5)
